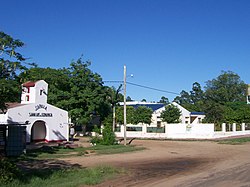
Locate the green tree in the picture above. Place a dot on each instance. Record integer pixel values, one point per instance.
(237, 112)
(171, 114)
(143, 114)
(221, 96)
(87, 96)
(214, 113)
(164, 100)
(10, 65)
(130, 114)
(219, 100)
(76, 89)
(227, 87)
(183, 99)
(196, 94)
(192, 101)
(129, 98)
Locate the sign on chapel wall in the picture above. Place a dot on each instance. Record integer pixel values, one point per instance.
(40, 114)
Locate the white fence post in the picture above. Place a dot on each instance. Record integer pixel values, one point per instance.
(223, 128)
(166, 130)
(234, 127)
(243, 127)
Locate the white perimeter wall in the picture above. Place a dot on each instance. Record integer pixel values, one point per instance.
(172, 131)
(199, 131)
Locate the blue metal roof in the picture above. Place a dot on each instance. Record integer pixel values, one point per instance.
(197, 113)
(154, 106)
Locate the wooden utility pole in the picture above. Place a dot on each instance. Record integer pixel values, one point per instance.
(124, 105)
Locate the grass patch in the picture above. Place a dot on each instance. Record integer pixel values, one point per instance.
(56, 176)
(64, 178)
(235, 141)
(115, 149)
(47, 152)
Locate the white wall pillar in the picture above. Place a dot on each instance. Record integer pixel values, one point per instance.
(144, 128)
(234, 127)
(223, 128)
(166, 129)
(243, 126)
(122, 129)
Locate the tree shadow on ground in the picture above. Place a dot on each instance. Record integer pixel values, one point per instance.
(43, 169)
(33, 167)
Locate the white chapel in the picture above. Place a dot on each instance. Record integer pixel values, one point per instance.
(45, 122)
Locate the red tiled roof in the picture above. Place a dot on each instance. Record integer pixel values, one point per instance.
(29, 84)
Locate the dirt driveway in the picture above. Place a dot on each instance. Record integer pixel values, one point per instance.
(177, 163)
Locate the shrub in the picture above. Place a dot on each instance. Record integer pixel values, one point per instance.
(108, 136)
(96, 129)
(8, 171)
(96, 139)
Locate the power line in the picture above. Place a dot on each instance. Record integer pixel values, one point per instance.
(156, 89)
(113, 81)
(142, 86)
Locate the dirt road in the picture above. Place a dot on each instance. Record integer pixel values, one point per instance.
(178, 163)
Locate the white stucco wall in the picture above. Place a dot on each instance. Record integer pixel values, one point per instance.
(56, 120)
(3, 118)
(198, 131)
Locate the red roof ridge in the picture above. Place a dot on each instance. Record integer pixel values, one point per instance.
(29, 84)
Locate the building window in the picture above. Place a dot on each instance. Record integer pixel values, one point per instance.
(28, 89)
(27, 98)
(41, 92)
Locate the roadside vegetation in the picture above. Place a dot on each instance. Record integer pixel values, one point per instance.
(11, 175)
(235, 141)
(60, 152)
(65, 177)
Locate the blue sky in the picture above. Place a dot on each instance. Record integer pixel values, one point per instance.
(165, 44)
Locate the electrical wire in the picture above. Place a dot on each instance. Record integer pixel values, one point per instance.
(156, 89)
(142, 86)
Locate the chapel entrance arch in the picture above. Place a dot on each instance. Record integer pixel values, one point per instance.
(38, 131)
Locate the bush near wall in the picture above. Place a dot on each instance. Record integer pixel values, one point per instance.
(107, 138)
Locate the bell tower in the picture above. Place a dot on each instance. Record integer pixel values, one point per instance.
(34, 92)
